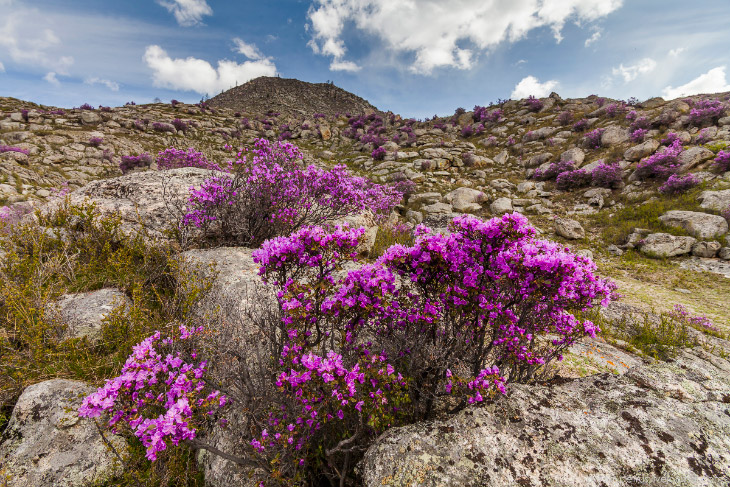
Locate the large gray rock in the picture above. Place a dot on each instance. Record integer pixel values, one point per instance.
(706, 249)
(569, 229)
(575, 154)
(656, 425)
(90, 118)
(693, 157)
(697, 224)
(637, 152)
(614, 135)
(501, 206)
(46, 443)
(715, 200)
(665, 245)
(84, 313)
(466, 200)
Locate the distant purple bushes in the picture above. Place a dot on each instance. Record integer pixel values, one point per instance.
(640, 123)
(568, 180)
(86, 106)
(534, 104)
(706, 111)
(379, 153)
(180, 125)
(722, 161)
(565, 118)
(9, 148)
(162, 127)
(661, 164)
(133, 162)
(554, 170)
(593, 138)
(606, 176)
(175, 158)
(679, 184)
(638, 135)
(581, 125)
(96, 141)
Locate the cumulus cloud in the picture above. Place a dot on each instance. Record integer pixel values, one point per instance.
(632, 71)
(676, 52)
(33, 47)
(51, 78)
(192, 74)
(443, 33)
(248, 50)
(596, 35)
(344, 66)
(187, 12)
(713, 81)
(112, 85)
(532, 86)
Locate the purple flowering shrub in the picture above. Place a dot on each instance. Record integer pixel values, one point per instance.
(682, 315)
(96, 141)
(676, 184)
(638, 135)
(726, 214)
(162, 127)
(593, 138)
(670, 138)
(174, 401)
(174, 158)
(606, 176)
(661, 164)
(722, 161)
(180, 125)
(132, 162)
(554, 170)
(270, 193)
(379, 153)
(568, 180)
(614, 109)
(534, 104)
(706, 112)
(86, 106)
(565, 117)
(10, 148)
(640, 123)
(581, 125)
(703, 137)
(467, 131)
(25, 114)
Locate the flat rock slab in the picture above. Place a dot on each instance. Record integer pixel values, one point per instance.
(84, 313)
(47, 444)
(605, 356)
(700, 264)
(665, 245)
(657, 425)
(696, 223)
(715, 200)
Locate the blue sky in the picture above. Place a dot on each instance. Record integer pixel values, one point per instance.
(415, 57)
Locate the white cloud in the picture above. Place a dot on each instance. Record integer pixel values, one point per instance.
(443, 33)
(192, 74)
(51, 78)
(187, 12)
(532, 86)
(112, 85)
(596, 35)
(632, 71)
(713, 81)
(344, 66)
(2, 68)
(248, 50)
(676, 52)
(33, 47)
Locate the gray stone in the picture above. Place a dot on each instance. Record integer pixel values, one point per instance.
(637, 152)
(614, 135)
(437, 208)
(84, 313)
(569, 229)
(89, 117)
(665, 245)
(715, 200)
(46, 443)
(656, 422)
(500, 206)
(414, 217)
(502, 157)
(538, 160)
(575, 154)
(724, 253)
(697, 224)
(693, 157)
(466, 200)
(614, 250)
(706, 249)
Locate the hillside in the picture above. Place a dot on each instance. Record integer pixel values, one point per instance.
(642, 188)
(290, 97)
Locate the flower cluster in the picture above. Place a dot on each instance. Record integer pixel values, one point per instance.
(132, 162)
(552, 172)
(581, 125)
(180, 125)
(640, 123)
(568, 180)
(638, 135)
(162, 127)
(607, 176)
(676, 184)
(379, 153)
(661, 164)
(682, 315)
(564, 118)
(270, 193)
(96, 141)
(614, 109)
(174, 158)
(153, 380)
(593, 138)
(706, 111)
(670, 138)
(722, 161)
(9, 148)
(534, 104)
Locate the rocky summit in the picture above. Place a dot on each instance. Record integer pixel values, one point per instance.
(120, 222)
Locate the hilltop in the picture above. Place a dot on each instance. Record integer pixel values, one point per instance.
(291, 97)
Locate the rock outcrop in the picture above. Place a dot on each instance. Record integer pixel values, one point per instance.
(657, 425)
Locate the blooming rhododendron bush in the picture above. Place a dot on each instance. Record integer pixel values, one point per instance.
(426, 329)
(269, 192)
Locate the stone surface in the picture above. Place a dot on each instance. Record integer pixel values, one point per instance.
(614, 135)
(569, 229)
(656, 425)
(84, 313)
(693, 157)
(715, 200)
(642, 150)
(47, 444)
(500, 206)
(665, 245)
(575, 154)
(697, 224)
(466, 199)
(706, 249)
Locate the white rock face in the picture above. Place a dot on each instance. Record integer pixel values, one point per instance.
(569, 229)
(47, 444)
(501, 206)
(84, 313)
(715, 200)
(666, 245)
(466, 199)
(656, 422)
(697, 224)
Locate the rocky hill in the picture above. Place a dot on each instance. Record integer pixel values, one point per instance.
(641, 187)
(291, 97)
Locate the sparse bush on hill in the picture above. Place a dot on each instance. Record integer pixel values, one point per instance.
(435, 326)
(534, 104)
(133, 162)
(607, 176)
(722, 161)
(568, 180)
(174, 158)
(565, 118)
(679, 184)
(661, 164)
(554, 170)
(706, 111)
(638, 135)
(593, 138)
(580, 126)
